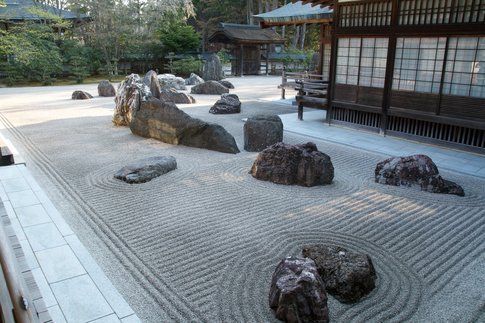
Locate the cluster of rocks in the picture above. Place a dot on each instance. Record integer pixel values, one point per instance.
(299, 285)
(151, 117)
(227, 104)
(170, 81)
(302, 165)
(415, 171)
(209, 87)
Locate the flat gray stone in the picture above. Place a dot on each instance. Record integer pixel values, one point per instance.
(146, 169)
(59, 263)
(44, 236)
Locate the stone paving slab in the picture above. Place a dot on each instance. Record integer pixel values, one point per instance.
(448, 159)
(73, 287)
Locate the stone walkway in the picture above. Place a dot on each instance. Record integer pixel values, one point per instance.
(448, 159)
(73, 286)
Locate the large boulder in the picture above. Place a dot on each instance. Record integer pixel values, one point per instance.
(164, 121)
(194, 79)
(171, 95)
(297, 292)
(212, 69)
(227, 84)
(170, 81)
(130, 94)
(227, 104)
(348, 276)
(418, 171)
(209, 87)
(81, 95)
(105, 88)
(151, 80)
(293, 164)
(146, 169)
(262, 131)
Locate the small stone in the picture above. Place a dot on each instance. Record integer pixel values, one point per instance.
(287, 164)
(416, 170)
(146, 169)
(262, 131)
(171, 95)
(105, 88)
(227, 84)
(194, 79)
(348, 276)
(209, 87)
(81, 95)
(170, 81)
(297, 292)
(227, 104)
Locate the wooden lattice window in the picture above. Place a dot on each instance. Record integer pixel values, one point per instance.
(362, 61)
(419, 64)
(465, 67)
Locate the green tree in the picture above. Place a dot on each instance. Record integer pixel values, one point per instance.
(179, 37)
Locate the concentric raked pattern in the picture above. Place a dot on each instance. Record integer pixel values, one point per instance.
(204, 239)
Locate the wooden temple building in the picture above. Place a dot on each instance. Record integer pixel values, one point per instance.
(246, 44)
(409, 68)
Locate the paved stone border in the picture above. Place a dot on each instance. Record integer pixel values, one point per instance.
(73, 286)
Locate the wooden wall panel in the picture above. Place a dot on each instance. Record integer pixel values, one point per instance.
(371, 96)
(424, 102)
(463, 107)
(346, 93)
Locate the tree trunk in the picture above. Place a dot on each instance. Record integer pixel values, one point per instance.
(296, 37)
(260, 6)
(303, 33)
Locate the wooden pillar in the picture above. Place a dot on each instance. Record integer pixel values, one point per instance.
(267, 59)
(333, 64)
(321, 49)
(241, 60)
(391, 57)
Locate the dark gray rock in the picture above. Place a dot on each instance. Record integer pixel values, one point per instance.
(262, 131)
(81, 95)
(297, 293)
(151, 80)
(170, 81)
(209, 87)
(348, 276)
(130, 94)
(172, 95)
(146, 169)
(194, 79)
(227, 104)
(416, 170)
(212, 69)
(164, 121)
(227, 84)
(105, 88)
(293, 165)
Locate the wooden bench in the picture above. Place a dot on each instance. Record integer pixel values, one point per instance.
(311, 93)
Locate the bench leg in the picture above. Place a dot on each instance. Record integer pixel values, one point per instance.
(300, 111)
(283, 93)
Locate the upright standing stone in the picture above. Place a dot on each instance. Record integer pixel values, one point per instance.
(297, 292)
(105, 88)
(212, 70)
(128, 99)
(262, 131)
(151, 80)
